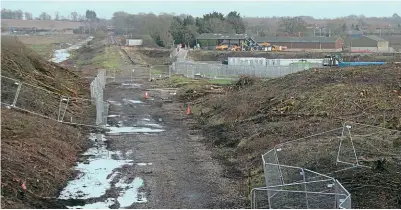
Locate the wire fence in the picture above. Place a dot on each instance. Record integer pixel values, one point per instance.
(221, 71)
(300, 173)
(55, 106)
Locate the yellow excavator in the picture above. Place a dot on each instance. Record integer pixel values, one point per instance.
(235, 48)
(222, 47)
(276, 48)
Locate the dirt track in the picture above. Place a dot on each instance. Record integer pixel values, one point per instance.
(173, 169)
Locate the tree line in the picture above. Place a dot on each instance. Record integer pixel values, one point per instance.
(73, 16)
(167, 29)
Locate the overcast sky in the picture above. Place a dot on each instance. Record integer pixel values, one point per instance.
(318, 9)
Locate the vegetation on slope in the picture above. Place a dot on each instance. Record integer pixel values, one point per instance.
(37, 153)
(254, 115)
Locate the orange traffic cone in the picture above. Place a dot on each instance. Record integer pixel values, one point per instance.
(189, 110)
(23, 186)
(146, 95)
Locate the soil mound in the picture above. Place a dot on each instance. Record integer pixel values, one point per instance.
(37, 153)
(246, 122)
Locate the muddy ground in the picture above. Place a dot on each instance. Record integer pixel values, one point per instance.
(170, 164)
(254, 115)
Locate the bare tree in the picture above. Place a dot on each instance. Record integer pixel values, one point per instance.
(81, 18)
(28, 16)
(74, 16)
(57, 16)
(292, 25)
(19, 14)
(44, 16)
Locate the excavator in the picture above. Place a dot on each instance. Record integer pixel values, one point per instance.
(252, 45)
(222, 47)
(249, 44)
(235, 48)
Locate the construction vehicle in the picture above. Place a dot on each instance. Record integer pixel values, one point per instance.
(235, 48)
(276, 48)
(335, 60)
(252, 45)
(222, 47)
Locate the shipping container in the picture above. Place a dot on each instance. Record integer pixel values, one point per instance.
(133, 42)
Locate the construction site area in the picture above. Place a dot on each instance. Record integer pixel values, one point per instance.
(105, 120)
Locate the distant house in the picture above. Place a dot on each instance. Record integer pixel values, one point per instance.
(370, 43)
(305, 43)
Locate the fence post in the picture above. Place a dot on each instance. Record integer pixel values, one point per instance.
(186, 67)
(17, 94)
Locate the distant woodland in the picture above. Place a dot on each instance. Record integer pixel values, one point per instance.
(166, 29)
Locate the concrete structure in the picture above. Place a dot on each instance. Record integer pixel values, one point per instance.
(305, 43)
(370, 43)
(133, 42)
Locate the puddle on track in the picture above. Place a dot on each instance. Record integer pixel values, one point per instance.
(63, 54)
(129, 101)
(115, 103)
(131, 85)
(131, 194)
(100, 172)
(128, 130)
(96, 175)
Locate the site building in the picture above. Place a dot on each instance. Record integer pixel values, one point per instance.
(369, 43)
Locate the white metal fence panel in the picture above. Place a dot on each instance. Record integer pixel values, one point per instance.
(216, 71)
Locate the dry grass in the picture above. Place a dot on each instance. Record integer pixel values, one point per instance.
(38, 152)
(149, 56)
(44, 45)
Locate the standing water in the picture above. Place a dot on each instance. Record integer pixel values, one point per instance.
(63, 54)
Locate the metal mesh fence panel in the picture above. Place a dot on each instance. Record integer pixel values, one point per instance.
(299, 173)
(45, 103)
(219, 71)
(9, 90)
(37, 100)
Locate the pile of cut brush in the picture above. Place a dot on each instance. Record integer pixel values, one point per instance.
(245, 81)
(256, 115)
(37, 153)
